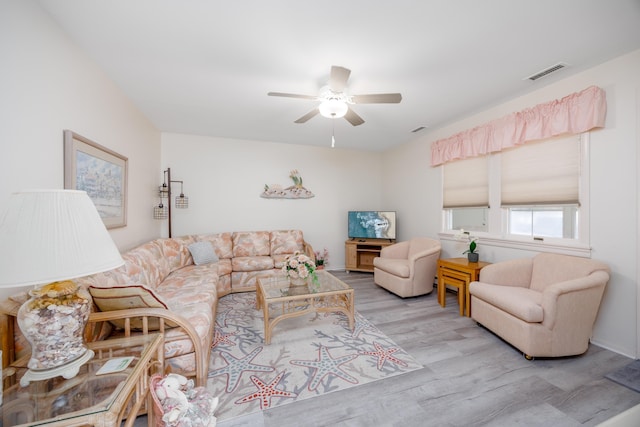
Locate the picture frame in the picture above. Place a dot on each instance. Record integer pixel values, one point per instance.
(101, 172)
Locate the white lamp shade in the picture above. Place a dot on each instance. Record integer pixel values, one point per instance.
(53, 235)
(333, 108)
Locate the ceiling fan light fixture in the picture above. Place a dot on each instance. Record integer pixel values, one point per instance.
(333, 108)
(335, 99)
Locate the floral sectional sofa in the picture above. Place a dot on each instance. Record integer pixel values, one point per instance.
(173, 285)
(243, 256)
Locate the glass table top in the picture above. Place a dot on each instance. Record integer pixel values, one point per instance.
(58, 398)
(276, 287)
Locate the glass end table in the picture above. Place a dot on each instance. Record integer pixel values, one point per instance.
(87, 398)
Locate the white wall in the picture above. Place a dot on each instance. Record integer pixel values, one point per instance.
(48, 84)
(614, 192)
(224, 178)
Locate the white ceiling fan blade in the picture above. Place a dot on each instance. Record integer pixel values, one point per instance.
(353, 118)
(292, 95)
(338, 78)
(308, 116)
(377, 98)
(337, 84)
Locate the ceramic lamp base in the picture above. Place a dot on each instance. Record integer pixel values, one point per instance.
(67, 371)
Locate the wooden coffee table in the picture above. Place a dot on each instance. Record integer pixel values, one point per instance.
(279, 301)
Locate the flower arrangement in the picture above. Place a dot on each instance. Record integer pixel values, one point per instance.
(322, 258)
(299, 266)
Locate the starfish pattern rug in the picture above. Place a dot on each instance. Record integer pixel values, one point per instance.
(308, 356)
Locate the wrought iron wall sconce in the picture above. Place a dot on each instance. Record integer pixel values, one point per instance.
(182, 202)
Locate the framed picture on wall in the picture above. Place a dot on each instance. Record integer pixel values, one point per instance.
(100, 172)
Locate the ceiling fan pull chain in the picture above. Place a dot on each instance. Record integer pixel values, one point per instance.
(333, 131)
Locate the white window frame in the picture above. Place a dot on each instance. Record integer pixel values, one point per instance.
(498, 217)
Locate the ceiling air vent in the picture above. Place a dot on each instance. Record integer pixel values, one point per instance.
(418, 129)
(546, 71)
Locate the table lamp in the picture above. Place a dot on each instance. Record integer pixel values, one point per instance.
(47, 238)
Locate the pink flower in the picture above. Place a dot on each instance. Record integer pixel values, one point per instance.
(299, 265)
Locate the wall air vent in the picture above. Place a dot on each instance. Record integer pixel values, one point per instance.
(418, 129)
(546, 71)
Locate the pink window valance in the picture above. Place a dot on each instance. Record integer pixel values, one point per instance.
(575, 113)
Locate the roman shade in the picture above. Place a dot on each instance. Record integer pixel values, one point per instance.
(466, 183)
(545, 172)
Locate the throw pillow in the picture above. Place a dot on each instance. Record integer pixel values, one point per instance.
(202, 253)
(126, 297)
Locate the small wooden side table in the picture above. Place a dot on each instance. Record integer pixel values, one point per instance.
(458, 272)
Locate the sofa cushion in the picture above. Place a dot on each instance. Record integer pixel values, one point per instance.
(251, 243)
(126, 297)
(145, 264)
(202, 253)
(553, 268)
(190, 285)
(279, 260)
(129, 273)
(224, 284)
(175, 251)
(397, 267)
(286, 242)
(183, 240)
(252, 263)
(523, 303)
(222, 243)
(224, 267)
(247, 279)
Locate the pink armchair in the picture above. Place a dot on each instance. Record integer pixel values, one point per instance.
(545, 306)
(407, 268)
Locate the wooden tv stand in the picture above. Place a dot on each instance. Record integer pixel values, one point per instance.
(359, 253)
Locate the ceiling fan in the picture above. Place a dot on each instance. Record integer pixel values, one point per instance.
(335, 101)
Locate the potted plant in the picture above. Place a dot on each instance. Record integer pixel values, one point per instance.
(322, 258)
(471, 253)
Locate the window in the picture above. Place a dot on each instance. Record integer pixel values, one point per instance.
(469, 219)
(535, 192)
(540, 222)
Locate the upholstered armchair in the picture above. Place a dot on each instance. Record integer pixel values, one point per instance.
(407, 268)
(545, 306)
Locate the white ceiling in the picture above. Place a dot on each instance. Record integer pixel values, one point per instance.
(204, 67)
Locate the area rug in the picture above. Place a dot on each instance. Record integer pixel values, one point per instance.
(308, 356)
(628, 376)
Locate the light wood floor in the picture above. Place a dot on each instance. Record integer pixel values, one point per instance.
(470, 376)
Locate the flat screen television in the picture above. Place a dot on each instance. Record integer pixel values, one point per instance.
(372, 224)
